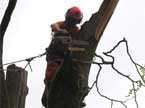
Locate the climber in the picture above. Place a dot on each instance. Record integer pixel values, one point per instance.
(55, 51)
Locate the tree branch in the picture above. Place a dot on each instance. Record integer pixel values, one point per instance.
(4, 24)
(133, 90)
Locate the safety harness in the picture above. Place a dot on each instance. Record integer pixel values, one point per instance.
(70, 44)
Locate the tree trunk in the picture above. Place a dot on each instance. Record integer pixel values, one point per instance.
(17, 89)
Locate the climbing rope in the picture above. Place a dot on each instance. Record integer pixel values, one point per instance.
(28, 60)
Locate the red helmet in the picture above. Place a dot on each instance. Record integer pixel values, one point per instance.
(74, 12)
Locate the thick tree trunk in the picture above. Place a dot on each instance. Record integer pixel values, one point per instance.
(16, 82)
(3, 92)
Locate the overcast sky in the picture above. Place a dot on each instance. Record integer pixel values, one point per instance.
(29, 34)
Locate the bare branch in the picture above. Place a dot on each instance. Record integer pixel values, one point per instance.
(108, 98)
(4, 24)
(135, 96)
(126, 76)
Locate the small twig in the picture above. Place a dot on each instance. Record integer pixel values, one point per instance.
(135, 96)
(124, 40)
(97, 77)
(127, 49)
(111, 104)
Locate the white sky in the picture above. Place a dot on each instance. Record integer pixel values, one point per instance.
(29, 34)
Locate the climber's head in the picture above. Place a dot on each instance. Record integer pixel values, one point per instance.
(73, 16)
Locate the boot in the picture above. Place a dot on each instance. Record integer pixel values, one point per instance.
(83, 94)
(44, 98)
(83, 104)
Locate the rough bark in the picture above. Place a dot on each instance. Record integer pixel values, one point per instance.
(16, 83)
